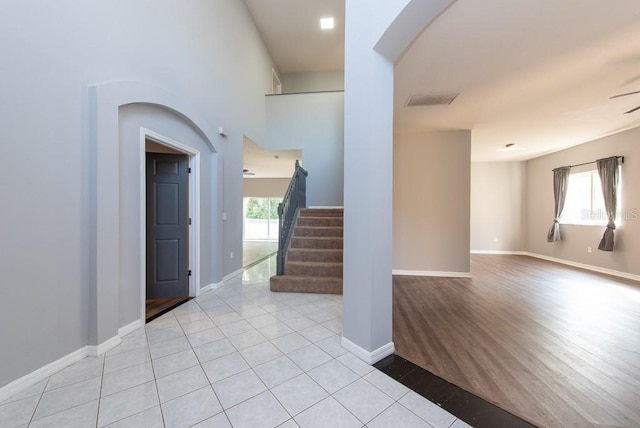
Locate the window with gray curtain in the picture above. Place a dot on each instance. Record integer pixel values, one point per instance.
(609, 178)
(560, 185)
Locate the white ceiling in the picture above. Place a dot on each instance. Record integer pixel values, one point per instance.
(538, 73)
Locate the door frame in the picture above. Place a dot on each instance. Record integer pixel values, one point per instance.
(194, 211)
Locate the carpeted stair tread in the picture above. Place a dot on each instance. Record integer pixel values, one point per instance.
(321, 221)
(321, 212)
(306, 284)
(319, 231)
(316, 242)
(315, 269)
(314, 255)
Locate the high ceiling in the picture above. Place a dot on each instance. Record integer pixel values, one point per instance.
(261, 163)
(537, 73)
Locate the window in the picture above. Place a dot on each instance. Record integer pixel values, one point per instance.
(261, 219)
(585, 203)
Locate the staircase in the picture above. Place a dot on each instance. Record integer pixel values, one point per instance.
(314, 258)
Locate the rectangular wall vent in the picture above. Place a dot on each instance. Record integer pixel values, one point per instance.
(431, 99)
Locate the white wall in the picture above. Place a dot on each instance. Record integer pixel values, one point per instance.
(209, 53)
(313, 123)
(265, 187)
(497, 198)
(312, 82)
(431, 202)
(575, 238)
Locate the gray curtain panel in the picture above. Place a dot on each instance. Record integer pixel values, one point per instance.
(609, 178)
(560, 184)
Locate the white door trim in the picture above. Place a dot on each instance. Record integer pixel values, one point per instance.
(194, 210)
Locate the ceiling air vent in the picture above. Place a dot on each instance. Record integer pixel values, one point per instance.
(431, 99)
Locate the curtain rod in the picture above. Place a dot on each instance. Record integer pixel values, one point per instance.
(588, 163)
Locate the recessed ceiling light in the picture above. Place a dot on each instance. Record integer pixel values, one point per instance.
(327, 23)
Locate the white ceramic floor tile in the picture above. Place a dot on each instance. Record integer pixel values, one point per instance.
(150, 418)
(299, 394)
(244, 340)
(299, 323)
(181, 383)
(66, 397)
(18, 412)
(355, 364)
(236, 328)
(397, 416)
(191, 409)
(126, 359)
(286, 314)
(85, 369)
(238, 388)
(309, 357)
(290, 342)
(157, 335)
(174, 363)
(211, 351)
(196, 326)
(386, 384)
(319, 316)
(262, 320)
(263, 410)
(327, 414)
(364, 400)
(192, 318)
(36, 389)
(168, 347)
(130, 342)
(218, 421)
(126, 378)
(332, 346)
(335, 325)
(261, 353)
(126, 403)
(275, 330)
(205, 336)
(333, 376)
(224, 367)
(289, 424)
(316, 333)
(425, 409)
(228, 318)
(85, 415)
(277, 371)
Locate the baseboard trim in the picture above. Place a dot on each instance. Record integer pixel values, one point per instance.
(431, 273)
(41, 374)
(233, 275)
(592, 268)
(130, 328)
(104, 347)
(501, 252)
(366, 356)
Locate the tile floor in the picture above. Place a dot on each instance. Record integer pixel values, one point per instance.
(238, 356)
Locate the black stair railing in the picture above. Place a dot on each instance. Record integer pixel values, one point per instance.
(294, 199)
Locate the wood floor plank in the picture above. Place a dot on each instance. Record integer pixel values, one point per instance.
(554, 345)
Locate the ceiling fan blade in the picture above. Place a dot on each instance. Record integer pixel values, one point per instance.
(624, 95)
(632, 110)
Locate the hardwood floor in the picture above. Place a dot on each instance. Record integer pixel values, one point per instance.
(156, 307)
(554, 345)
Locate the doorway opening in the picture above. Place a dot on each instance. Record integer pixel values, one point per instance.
(169, 224)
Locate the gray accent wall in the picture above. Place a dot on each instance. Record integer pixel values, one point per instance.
(313, 123)
(431, 201)
(576, 238)
(208, 53)
(497, 201)
(312, 82)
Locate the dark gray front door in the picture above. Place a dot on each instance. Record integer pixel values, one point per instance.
(167, 226)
